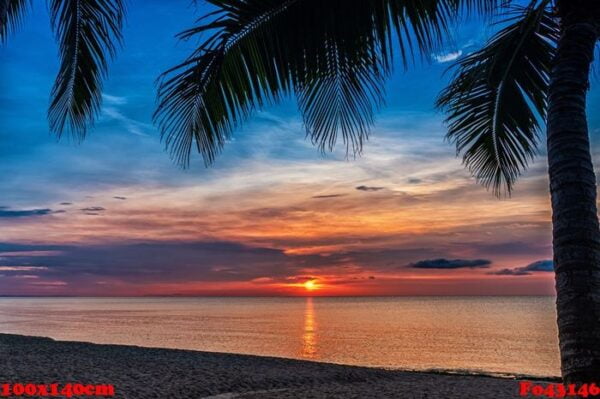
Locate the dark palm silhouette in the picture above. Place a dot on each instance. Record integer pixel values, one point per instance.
(86, 32)
(335, 55)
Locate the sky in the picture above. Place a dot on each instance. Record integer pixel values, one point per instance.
(115, 216)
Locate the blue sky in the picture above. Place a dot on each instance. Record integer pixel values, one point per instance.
(272, 211)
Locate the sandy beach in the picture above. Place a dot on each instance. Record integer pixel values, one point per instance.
(142, 373)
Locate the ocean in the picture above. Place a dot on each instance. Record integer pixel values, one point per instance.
(492, 335)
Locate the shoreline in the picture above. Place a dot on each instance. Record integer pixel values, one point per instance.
(142, 372)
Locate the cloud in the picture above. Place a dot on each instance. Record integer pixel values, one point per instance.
(328, 196)
(113, 100)
(369, 188)
(148, 262)
(112, 111)
(131, 125)
(27, 248)
(5, 212)
(21, 268)
(538, 266)
(120, 198)
(131, 266)
(442, 263)
(66, 203)
(532, 248)
(447, 57)
(93, 209)
(414, 180)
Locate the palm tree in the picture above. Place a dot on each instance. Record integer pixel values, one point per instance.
(335, 56)
(86, 32)
(538, 67)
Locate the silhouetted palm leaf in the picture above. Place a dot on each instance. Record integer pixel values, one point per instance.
(86, 31)
(340, 98)
(11, 14)
(334, 55)
(498, 97)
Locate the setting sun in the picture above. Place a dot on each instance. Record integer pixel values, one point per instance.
(310, 285)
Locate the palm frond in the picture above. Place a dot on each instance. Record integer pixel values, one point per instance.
(497, 98)
(334, 55)
(341, 98)
(483, 7)
(86, 31)
(11, 15)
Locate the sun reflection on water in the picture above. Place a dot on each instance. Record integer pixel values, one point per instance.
(309, 338)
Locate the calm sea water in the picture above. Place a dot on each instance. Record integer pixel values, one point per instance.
(478, 334)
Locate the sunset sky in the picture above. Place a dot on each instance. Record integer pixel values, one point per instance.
(115, 216)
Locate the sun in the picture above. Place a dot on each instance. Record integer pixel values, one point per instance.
(310, 285)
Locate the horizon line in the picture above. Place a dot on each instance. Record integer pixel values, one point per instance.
(273, 296)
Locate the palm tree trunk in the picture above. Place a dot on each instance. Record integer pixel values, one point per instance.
(576, 235)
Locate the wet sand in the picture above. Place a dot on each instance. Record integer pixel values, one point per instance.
(145, 373)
